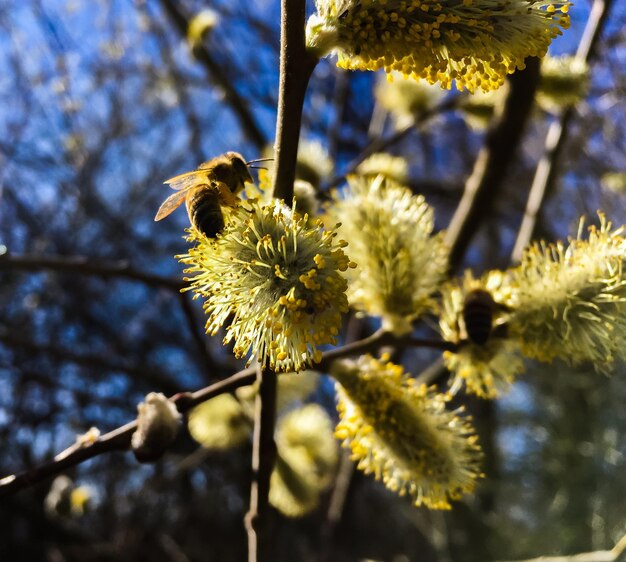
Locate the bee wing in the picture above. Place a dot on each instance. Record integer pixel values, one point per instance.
(187, 180)
(170, 204)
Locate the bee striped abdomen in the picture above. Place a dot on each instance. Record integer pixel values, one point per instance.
(478, 312)
(205, 212)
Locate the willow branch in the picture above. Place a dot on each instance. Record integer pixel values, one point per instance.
(218, 76)
(545, 173)
(296, 67)
(263, 458)
(119, 438)
(492, 163)
(612, 555)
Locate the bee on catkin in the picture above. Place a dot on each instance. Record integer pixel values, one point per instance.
(479, 309)
(216, 183)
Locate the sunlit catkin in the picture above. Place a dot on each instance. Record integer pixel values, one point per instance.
(403, 434)
(307, 458)
(564, 82)
(570, 299)
(475, 43)
(220, 423)
(277, 281)
(400, 263)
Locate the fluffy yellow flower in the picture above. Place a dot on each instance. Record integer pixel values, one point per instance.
(570, 299)
(226, 421)
(400, 262)
(307, 458)
(276, 279)
(564, 82)
(475, 43)
(392, 167)
(479, 109)
(406, 99)
(487, 368)
(220, 423)
(403, 434)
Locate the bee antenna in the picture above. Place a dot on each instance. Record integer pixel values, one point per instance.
(259, 160)
(258, 167)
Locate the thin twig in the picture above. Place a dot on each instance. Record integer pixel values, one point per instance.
(381, 144)
(150, 375)
(336, 506)
(198, 335)
(119, 438)
(296, 67)
(545, 173)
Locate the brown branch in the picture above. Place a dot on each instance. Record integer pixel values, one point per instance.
(545, 174)
(296, 67)
(612, 555)
(217, 75)
(85, 266)
(263, 458)
(336, 506)
(119, 439)
(492, 163)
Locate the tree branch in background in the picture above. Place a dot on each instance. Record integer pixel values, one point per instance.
(263, 458)
(239, 106)
(119, 439)
(86, 266)
(381, 144)
(108, 270)
(557, 134)
(157, 379)
(492, 163)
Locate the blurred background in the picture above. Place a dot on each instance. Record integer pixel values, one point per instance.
(100, 102)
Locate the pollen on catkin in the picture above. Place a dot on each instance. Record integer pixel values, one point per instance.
(403, 434)
(570, 301)
(475, 43)
(277, 281)
(486, 369)
(400, 262)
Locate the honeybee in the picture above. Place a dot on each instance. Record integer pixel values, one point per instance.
(479, 309)
(216, 183)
